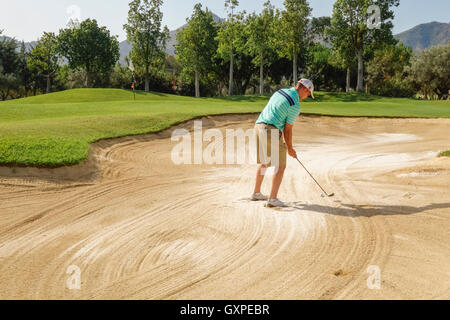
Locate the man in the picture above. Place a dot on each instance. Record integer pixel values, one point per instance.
(278, 120)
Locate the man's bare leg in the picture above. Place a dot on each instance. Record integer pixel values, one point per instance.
(276, 183)
(260, 177)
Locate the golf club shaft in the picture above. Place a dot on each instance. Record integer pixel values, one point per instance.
(312, 177)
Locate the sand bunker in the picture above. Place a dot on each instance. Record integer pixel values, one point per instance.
(138, 227)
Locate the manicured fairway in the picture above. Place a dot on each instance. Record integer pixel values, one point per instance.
(57, 129)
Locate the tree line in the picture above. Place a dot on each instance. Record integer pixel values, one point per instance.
(245, 53)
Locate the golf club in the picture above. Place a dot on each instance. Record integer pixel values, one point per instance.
(329, 195)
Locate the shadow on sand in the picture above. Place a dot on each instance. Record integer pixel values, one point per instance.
(368, 211)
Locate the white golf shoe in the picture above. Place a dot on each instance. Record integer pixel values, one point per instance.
(259, 197)
(275, 203)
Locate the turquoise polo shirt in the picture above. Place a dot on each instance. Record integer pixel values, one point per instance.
(283, 107)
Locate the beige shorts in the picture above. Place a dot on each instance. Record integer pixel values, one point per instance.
(271, 155)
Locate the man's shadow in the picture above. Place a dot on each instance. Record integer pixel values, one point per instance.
(368, 211)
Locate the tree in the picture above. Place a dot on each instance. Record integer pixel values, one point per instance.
(144, 30)
(319, 28)
(351, 29)
(292, 32)
(89, 47)
(430, 71)
(9, 66)
(172, 65)
(23, 71)
(228, 36)
(386, 71)
(261, 39)
(121, 77)
(243, 68)
(321, 69)
(44, 57)
(343, 56)
(197, 44)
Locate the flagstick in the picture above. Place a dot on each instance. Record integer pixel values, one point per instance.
(134, 86)
(133, 69)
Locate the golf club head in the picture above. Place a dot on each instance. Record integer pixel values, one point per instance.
(329, 195)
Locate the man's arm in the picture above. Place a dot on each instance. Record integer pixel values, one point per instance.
(288, 138)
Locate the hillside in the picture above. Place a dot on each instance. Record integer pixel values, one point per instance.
(426, 35)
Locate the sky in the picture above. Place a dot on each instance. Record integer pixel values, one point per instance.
(28, 19)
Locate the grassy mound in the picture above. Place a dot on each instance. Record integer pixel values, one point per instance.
(94, 95)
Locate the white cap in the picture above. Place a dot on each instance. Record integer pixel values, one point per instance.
(308, 85)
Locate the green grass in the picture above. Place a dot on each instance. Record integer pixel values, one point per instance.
(445, 154)
(57, 129)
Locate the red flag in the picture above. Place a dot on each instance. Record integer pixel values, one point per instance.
(132, 86)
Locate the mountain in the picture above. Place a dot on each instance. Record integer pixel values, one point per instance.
(28, 45)
(125, 47)
(426, 35)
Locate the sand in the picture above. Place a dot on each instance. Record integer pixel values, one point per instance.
(139, 227)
